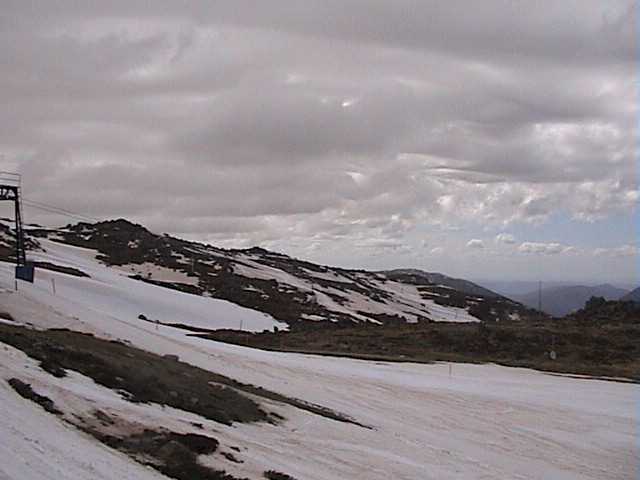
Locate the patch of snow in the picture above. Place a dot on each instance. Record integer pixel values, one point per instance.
(362, 303)
(251, 269)
(410, 296)
(330, 304)
(435, 294)
(440, 313)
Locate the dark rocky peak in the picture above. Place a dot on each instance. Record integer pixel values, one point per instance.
(109, 226)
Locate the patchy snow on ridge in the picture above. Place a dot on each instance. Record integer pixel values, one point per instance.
(291, 287)
(333, 306)
(110, 291)
(329, 276)
(406, 300)
(251, 269)
(448, 314)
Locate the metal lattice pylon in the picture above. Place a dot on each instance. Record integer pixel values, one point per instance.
(10, 191)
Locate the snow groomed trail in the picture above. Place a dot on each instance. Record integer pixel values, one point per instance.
(428, 421)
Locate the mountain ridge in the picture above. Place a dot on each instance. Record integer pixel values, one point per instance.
(291, 290)
(563, 300)
(632, 296)
(461, 284)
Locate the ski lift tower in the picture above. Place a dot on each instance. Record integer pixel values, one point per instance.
(10, 191)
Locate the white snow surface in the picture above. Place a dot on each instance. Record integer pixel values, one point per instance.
(111, 291)
(35, 445)
(439, 421)
(414, 302)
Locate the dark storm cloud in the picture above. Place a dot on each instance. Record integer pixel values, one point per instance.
(570, 29)
(319, 120)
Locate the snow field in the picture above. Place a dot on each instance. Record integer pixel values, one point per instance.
(477, 422)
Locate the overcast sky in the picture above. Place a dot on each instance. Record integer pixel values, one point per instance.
(492, 139)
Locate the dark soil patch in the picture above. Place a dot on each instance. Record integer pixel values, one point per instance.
(273, 475)
(25, 391)
(229, 456)
(181, 287)
(173, 454)
(61, 269)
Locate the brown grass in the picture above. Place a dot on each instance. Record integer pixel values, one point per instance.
(604, 350)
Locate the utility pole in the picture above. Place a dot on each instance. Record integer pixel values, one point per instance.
(540, 296)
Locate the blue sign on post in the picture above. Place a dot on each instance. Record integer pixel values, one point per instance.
(25, 272)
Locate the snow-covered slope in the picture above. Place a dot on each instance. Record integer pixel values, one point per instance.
(427, 421)
(35, 445)
(111, 291)
(290, 290)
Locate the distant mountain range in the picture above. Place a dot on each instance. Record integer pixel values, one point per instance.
(509, 288)
(562, 300)
(632, 296)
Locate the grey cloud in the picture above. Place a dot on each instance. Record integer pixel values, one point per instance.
(543, 248)
(505, 238)
(352, 120)
(621, 251)
(507, 28)
(475, 243)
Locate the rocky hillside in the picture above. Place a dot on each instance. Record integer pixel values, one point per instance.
(291, 290)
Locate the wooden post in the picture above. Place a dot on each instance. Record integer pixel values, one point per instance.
(53, 285)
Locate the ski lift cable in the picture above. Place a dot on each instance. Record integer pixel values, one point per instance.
(58, 210)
